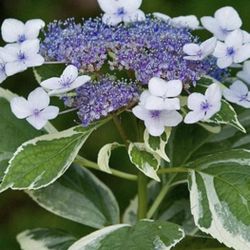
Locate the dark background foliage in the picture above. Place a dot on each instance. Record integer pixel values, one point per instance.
(17, 211)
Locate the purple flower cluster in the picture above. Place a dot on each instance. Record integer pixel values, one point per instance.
(149, 48)
(97, 99)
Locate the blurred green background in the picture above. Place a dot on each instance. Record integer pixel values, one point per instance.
(17, 211)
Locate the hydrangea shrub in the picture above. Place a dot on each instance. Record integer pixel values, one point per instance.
(179, 104)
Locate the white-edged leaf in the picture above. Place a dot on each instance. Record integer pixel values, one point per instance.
(157, 144)
(4, 159)
(220, 196)
(79, 196)
(40, 161)
(45, 239)
(144, 160)
(104, 156)
(146, 235)
(227, 115)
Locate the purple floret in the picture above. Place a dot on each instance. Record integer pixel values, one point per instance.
(149, 48)
(97, 99)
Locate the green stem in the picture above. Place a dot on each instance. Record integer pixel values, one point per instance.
(173, 170)
(160, 198)
(120, 129)
(142, 196)
(90, 164)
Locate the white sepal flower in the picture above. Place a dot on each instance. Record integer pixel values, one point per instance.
(204, 106)
(35, 109)
(225, 21)
(244, 74)
(117, 11)
(68, 81)
(163, 94)
(20, 57)
(232, 50)
(238, 93)
(189, 21)
(156, 120)
(3, 75)
(14, 30)
(197, 52)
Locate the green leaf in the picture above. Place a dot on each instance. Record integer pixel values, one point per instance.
(40, 161)
(227, 115)
(157, 144)
(146, 235)
(79, 196)
(144, 160)
(4, 159)
(104, 156)
(185, 140)
(47, 71)
(220, 196)
(45, 239)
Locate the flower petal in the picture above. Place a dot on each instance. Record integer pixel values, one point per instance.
(161, 16)
(137, 15)
(33, 27)
(39, 99)
(228, 18)
(154, 103)
(234, 39)
(9, 53)
(34, 61)
(193, 117)
(20, 107)
(108, 6)
(52, 83)
(172, 118)
(49, 113)
(2, 76)
(239, 87)
(210, 24)
(224, 62)
(220, 50)
(245, 73)
(191, 49)
(12, 29)
(140, 112)
(13, 68)
(189, 21)
(242, 54)
(37, 121)
(131, 5)
(195, 100)
(215, 107)
(111, 19)
(208, 47)
(213, 93)
(69, 74)
(30, 47)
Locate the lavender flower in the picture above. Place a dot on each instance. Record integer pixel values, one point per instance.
(97, 99)
(152, 48)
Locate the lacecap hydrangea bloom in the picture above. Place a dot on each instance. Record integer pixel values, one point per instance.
(161, 57)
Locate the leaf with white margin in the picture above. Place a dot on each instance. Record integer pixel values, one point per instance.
(144, 160)
(4, 159)
(220, 196)
(40, 161)
(146, 235)
(104, 156)
(227, 115)
(45, 239)
(157, 144)
(79, 196)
